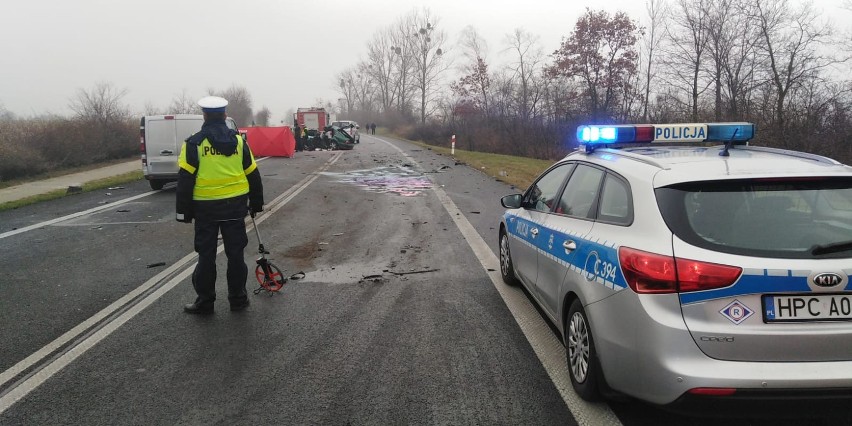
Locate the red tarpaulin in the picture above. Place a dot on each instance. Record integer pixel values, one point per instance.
(270, 141)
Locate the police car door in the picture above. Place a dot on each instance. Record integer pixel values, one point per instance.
(528, 226)
(566, 228)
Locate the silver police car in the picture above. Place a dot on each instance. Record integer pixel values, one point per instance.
(680, 273)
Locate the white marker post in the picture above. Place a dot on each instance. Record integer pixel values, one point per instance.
(453, 146)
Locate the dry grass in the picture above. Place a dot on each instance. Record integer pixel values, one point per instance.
(517, 171)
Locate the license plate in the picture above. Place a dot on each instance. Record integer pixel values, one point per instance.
(807, 307)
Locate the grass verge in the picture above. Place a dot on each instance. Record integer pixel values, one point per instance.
(88, 186)
(517, 171)
(65, 171)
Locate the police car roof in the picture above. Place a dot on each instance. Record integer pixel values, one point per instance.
(701, 163)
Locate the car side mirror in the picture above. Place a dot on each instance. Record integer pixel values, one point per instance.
(512, 201)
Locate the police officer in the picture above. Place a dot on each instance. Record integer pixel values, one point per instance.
(297, 134)
(218, 183)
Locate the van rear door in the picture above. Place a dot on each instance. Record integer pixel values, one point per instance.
(160, 145)
(164, 136)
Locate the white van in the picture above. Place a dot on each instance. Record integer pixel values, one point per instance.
(161, 138)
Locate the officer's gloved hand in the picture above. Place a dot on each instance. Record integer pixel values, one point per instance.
(183, 217)
(255, 208)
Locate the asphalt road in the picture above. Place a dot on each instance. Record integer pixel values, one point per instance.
(397, 321)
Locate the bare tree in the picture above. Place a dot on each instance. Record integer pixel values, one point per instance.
(102, 103)
(151, 109)
(5, 114)
(738, 58)
(380, 67)
(731, 40)
(239, 104)
(687, 33)
(794, 45)
(184, 104)
(105, 119)
(347, 87)
(475, 82)
(403, 48)
(526, 69)
(262, 117)
(657, 10)
(428, 51)
(364, 88)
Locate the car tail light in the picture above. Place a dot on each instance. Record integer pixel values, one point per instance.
(142, 145)
(650, 273)
(693, 275)
(712, 391)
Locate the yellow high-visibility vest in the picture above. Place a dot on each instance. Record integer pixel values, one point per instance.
(218, 176)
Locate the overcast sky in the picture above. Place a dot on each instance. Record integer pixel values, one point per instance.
(285, 52)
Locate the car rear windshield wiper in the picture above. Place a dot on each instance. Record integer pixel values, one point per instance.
(831, 248)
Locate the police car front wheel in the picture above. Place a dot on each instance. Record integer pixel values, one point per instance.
(507, 269)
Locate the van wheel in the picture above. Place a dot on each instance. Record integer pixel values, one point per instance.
(156, 185)
(583, 365)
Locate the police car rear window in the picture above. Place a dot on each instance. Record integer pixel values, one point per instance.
(783, 218)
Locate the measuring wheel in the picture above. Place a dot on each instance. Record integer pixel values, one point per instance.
(269, 276)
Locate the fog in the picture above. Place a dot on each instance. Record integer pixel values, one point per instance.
(285, 53)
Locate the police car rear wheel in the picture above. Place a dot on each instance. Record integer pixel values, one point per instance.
(507, 269)
(582, 357)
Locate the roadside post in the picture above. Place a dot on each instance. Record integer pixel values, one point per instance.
(453, 146)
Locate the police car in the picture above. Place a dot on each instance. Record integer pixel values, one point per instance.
(683, 273)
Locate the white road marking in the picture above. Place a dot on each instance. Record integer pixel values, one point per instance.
(547, 347)
(31, 383)
(85, 212)
(74, 215)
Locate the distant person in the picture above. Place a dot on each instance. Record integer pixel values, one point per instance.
(373, 128)
(297, 134)
(218, 183)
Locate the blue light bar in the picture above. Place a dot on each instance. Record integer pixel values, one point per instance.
(606, 134)
(594, 135)
(723, 132)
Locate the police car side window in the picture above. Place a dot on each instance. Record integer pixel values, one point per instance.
(580, 193)
(616, 204)
(544, 191)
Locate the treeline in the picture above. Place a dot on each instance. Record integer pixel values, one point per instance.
(772, 62)
(101, 128)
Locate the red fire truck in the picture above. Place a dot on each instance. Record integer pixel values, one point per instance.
(312, 118)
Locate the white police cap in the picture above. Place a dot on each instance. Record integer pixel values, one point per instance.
(213, 104)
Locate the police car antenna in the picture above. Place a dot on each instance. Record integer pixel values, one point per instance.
(728, 144)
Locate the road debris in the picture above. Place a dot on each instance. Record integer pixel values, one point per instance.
(414, 272)
(154, 265)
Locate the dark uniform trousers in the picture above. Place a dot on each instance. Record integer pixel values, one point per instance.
(204, 277)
